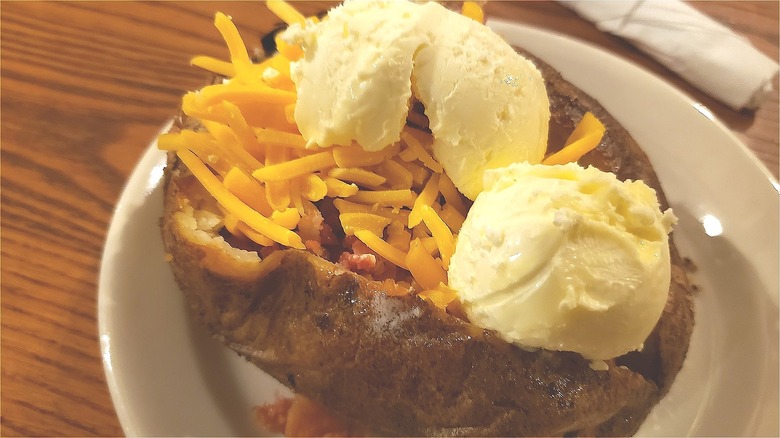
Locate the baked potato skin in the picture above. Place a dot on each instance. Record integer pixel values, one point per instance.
(405, 368)
(395, 363)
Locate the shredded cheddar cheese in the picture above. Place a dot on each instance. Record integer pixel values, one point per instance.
(426, 199)
(374, 223)
(340, 189)
(395, 174)
(442, 235)
(585, 137)
(247, 190)
(267, 178)
(295, 168)
(425, 269)
(473, 10)
(384, 249)
(214, 65)
(243, 212)
(312, 187)
(287, 13)
(359, 176)
(412, 138)
(440, 297)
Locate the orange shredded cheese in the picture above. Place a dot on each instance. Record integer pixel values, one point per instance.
(231, 223)
(445, 241)
(472, 10)
(408, 155)
(384, 249)
(278, 192)
(285, 12)
(403, 198)
(340, 189)
(357, 175)
(395, 174)
(266, 177)
(247, 190)
(398, 236)
(253, 235)
(214, 65)
(429, 243)
(452, 217)
(355, 156)
(440, 297)
(424, 268)
(451, 194)
(293, 53)
(374, 223)
(344, 206)
(585, 137)
(312, 187)
(412, 138)
(295, 168)
(272, 138)
(239, 56)
(288, 218)
(243, 212)
(426, 198)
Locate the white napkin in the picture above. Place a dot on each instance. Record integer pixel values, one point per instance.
(705, 53)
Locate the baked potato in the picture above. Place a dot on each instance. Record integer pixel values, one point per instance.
(393, 363)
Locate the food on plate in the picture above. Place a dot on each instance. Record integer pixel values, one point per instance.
(415, 247)
(582, 256)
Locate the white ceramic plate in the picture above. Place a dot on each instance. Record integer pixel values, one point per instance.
(167, 377)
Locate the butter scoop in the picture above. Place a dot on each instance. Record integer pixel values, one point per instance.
(564, 258)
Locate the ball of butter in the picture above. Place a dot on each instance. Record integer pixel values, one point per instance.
(487, 105)
(564, 258)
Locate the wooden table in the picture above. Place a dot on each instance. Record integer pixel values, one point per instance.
(85, 86)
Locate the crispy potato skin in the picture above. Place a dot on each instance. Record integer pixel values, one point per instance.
(403, 368)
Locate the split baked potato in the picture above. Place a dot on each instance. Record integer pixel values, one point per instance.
(392, 362)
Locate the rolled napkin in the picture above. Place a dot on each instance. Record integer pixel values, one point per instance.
(705, 53)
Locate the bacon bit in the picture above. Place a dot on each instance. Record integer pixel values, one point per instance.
(300, 416)
(357, 262)
(273, 416)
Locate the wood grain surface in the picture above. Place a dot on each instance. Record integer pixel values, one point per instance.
(85, 86)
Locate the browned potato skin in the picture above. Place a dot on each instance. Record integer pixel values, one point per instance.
(401, 367)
